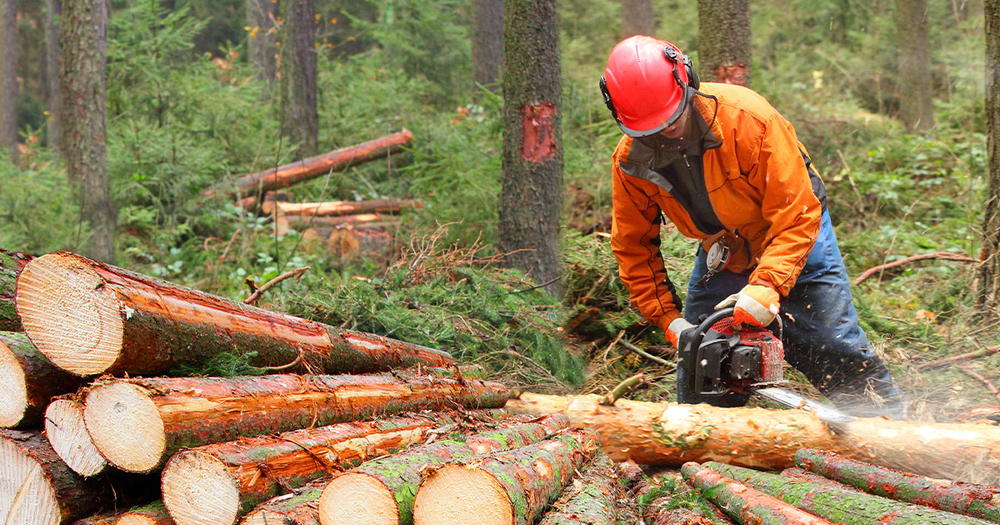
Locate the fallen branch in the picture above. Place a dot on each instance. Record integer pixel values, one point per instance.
(296, 273)
(622, 388)
(947, 256)
(631, 347)
(993, 390)
(962, 357)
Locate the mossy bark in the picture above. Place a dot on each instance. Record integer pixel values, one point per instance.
(299, 509)
(841, 506)
(154, 513)
(593, 498)
(42, 379)
(11, 264)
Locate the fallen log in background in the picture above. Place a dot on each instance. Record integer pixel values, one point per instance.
(669, 434)
(309, 221)
(297, 508)
(321, 209)
(90, 318)
(382, 491)
(11, 264)
(841, 506)
(341, 159)
(137, 424)
(29, 381)
(593, 498)
(215, 484)
(964, 498)
(508, 488)
(67, 433)
(743, 503)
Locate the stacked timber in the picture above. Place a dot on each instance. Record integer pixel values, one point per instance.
(11, 264)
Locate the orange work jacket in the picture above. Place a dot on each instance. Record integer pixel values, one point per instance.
(760, 188)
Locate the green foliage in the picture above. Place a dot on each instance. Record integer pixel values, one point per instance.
(38, 210)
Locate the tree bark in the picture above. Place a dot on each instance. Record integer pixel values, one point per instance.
(67, 433)
(53, 70)
(386, 487)
(300, 509)
(151, 514)
(84, 99)
(8, 78)
(514, 487)
(90, 318)
(638, 18)
(743, 503)
(215, 484)
(916, 105)
(532, 164)
(137, 424)
(11, 264)
(989, 272)
(325, 209)
(724, 47)
(261, 18)
(592, 499)
(30, 381)
(841, 506)
(669, 434)
(487, 45)
(979, 501)
(300, 120)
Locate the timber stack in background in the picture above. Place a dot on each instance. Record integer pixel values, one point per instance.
(353, 428)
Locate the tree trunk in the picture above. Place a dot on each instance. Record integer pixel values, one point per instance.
(669, 434)
(916, 105)
(487, 45)
(30, 381)
(638, 18)
(53, 70)
(91, 318)
(11, 264)
(510, 488)
(300, 121)
(989, 272)
(724, 45)
(531, 195)
(300, 509)
(338, 160)
(137, 424)
(841, 506)
(8, 77)
(215, 484)
(261, 19)
(386, 487)
(67, 433)
(338, 207)
(745, 504)
(979, 501)
(592, 499)
(84, 74)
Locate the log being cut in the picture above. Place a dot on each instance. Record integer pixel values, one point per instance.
(215, 484)
(11, 264)
(509, 488)
(27, 382)
(669, 434)
(381, 491)
(136, 424)
(91, 318)
(66, 431)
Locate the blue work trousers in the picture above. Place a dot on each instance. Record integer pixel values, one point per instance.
(821, 335)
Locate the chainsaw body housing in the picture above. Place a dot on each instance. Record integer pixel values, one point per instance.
(723, 360)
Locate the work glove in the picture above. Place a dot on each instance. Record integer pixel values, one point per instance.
(756, 304)
(677, 329)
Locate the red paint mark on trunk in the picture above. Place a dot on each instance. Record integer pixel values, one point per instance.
(538, 141)
(731, 73)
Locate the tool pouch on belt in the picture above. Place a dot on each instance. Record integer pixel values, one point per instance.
(728, 252)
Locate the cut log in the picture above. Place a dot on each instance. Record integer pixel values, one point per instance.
(90, 318)
(309, 221)
(27, 382)
(328, 208)
(337, 160)
(215, 484)
(108, 518)
(679, 508)
(798, 474)
(841, 506)
(964, 498)
(658, 513)
(297, 508)
(669, 434)
(11, 264)
(136, 424)
(151, 514)
(744, 504)
(591, 499)
(67, 433)
(508, 488)
(382, 491)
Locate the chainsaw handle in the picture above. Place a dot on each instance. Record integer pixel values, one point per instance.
(708, 323)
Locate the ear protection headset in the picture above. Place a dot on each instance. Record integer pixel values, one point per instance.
(673, 54)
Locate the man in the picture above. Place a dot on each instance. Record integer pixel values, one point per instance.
(728, 170)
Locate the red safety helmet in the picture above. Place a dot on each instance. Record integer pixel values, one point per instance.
(647, 84)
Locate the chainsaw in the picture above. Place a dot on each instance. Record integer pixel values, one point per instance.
(721, 359)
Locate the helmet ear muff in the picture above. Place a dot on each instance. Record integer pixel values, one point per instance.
(693, 80)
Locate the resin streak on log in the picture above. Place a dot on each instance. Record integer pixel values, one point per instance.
(592, 498)
(743, 503)
(27, 382)
(89, 318)
(136, 424)
(296, 508)
(508, 488)
(66, 431)
(847, 507)
(965, 498)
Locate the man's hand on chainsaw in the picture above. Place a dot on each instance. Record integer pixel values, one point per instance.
(756, 304)
(679, 328)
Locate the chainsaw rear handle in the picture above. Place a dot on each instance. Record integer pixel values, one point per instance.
(707, 325)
